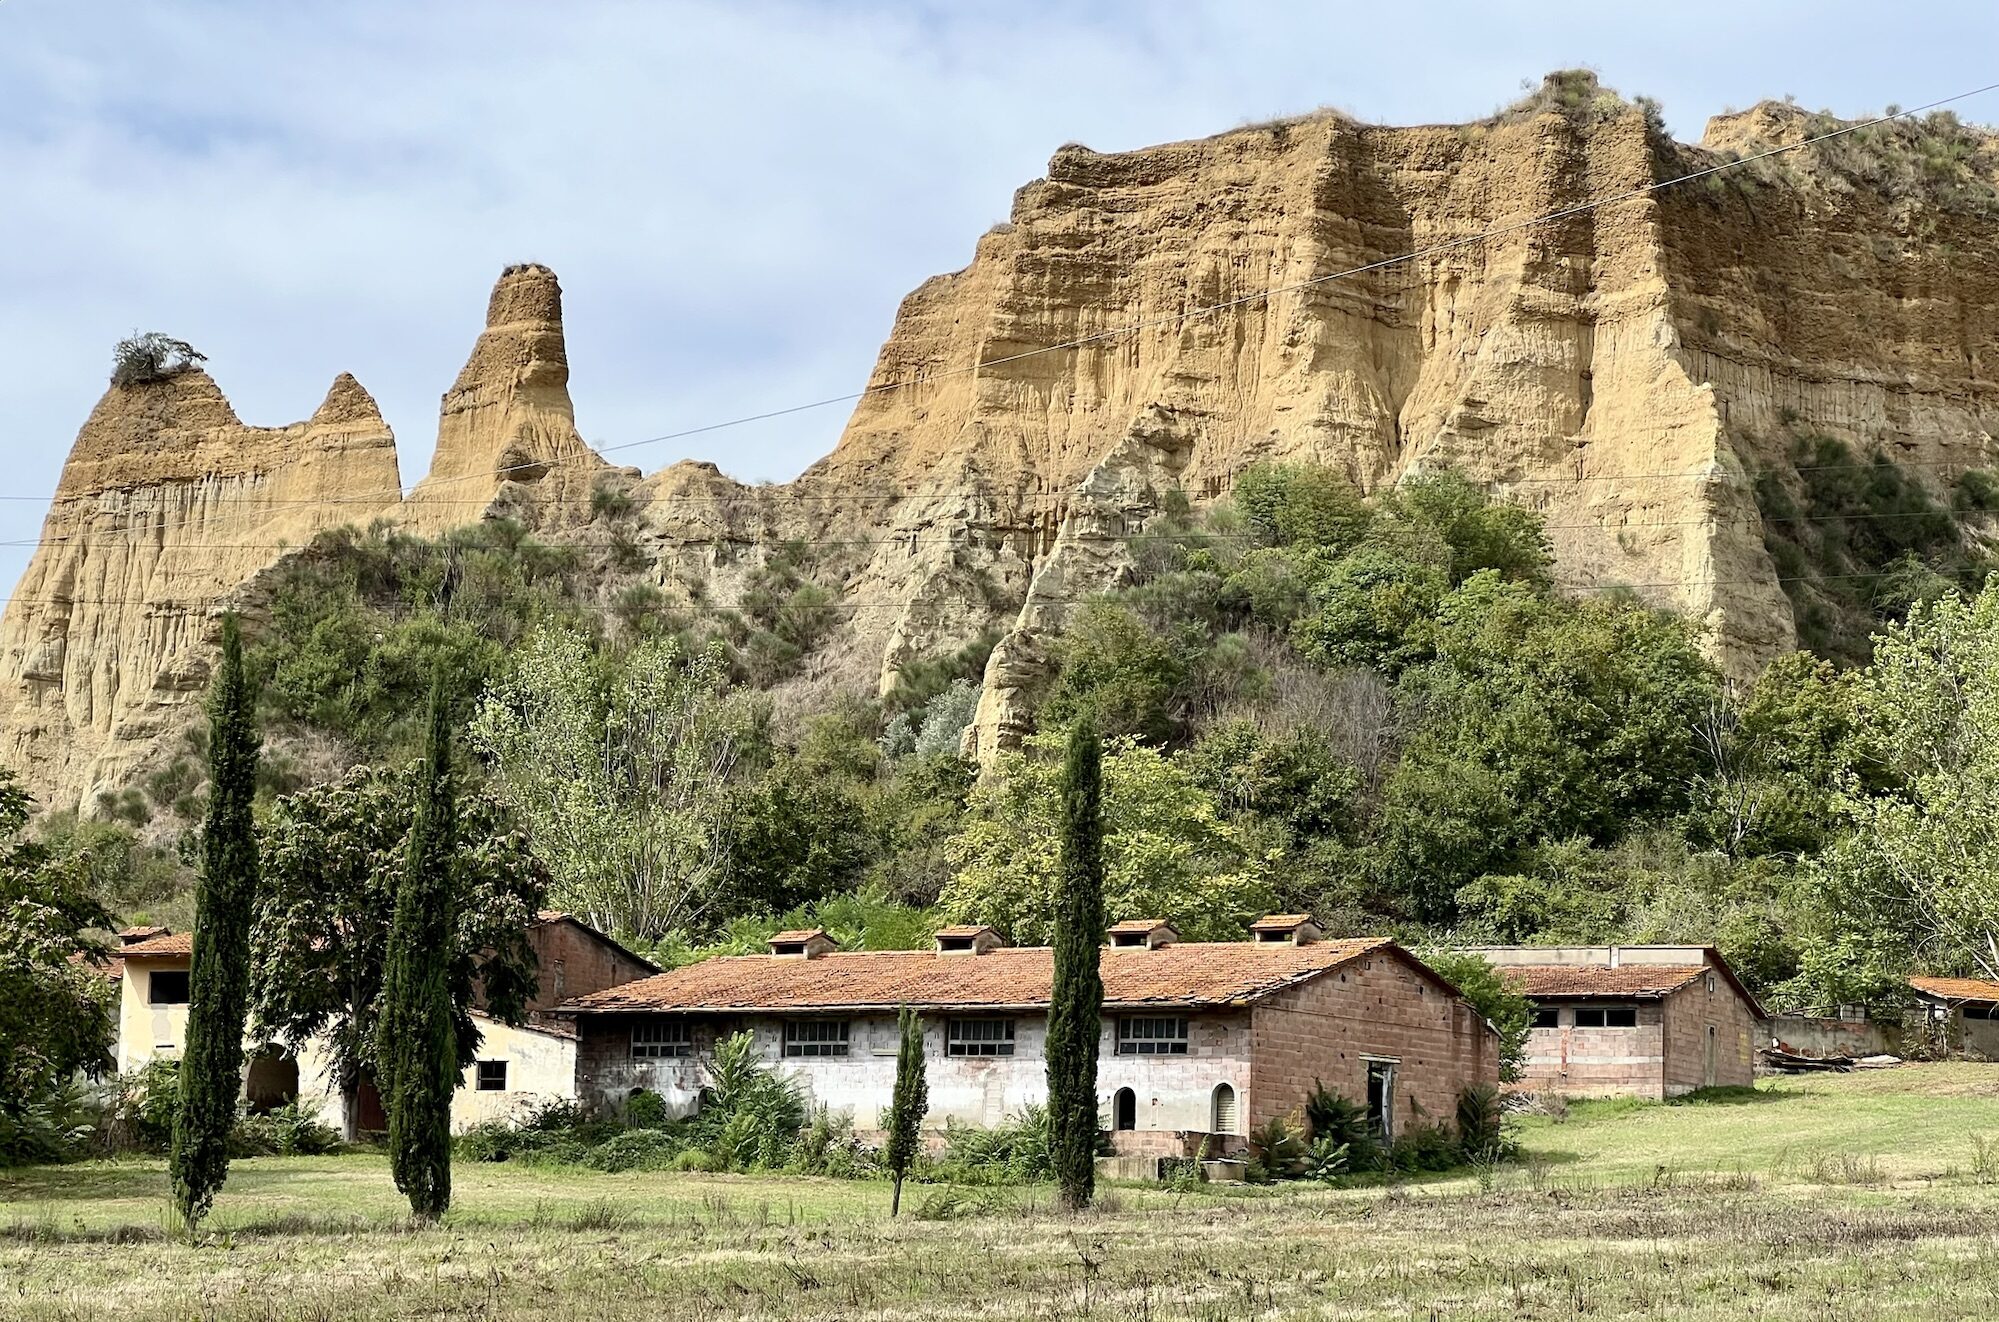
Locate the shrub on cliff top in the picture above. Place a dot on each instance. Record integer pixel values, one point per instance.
(142, 359)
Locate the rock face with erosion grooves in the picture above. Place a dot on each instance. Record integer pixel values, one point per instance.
(168, 506)
(506, 431)
(1632, 372)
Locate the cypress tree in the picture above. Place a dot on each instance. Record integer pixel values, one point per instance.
(1075, 1010)
(211, 1068)
(418, 1044)
(908, 1107)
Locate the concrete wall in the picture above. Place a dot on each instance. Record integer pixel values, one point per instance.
(541, 1068)
(1816, 1036)
(1711, 1037)
(1377, 1008)
(1172, 1094)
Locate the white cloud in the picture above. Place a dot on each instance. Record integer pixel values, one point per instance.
(735, 195)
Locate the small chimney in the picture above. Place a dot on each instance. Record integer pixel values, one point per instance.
(1142, 933)
(968, 939)
(1289, 929)
(808, 943)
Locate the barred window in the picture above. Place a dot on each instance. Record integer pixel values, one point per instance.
(661, 1040)
(1152, 1037)
(492, 1076)
(979, 1037)
(815, 1037)
(1607, 1016)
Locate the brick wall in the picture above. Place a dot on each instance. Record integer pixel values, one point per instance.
(1598, 1062)
(576, 961)
(1379, 1007)
(1709, 1002)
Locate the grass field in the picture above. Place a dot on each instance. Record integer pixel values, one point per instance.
(1864, 1196)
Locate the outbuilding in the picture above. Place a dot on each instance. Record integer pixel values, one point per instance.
(1201, 1041)
(1633, 1021)
(1963, 1011)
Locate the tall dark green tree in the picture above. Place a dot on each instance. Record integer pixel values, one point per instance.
(910, 1103)
(1075, 1011)
(211, 1069)
(418, 1035)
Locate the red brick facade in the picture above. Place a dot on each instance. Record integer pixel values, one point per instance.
(1380, 1008)
(577, 960)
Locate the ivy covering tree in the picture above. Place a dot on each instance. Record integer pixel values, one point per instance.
(211, 1067)
(907, 1107)
(1075, 1010)
(419, 1047)
(335, 858)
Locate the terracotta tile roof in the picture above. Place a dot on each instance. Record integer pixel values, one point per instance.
(110, 967)
(801, 934)
(1140, 925)
(960, 930)
(1629, 980)
(172, 944)
(1280, 922)
(1957, 989)
(1188, 974)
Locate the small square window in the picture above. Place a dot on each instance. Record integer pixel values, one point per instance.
(492, 1076)
(661, 1039)
(1544, 1016)
(167, 987)
(1152, 1037)
(979, 1037)
(815, 1037)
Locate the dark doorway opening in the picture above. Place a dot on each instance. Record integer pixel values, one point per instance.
(1124, 1110)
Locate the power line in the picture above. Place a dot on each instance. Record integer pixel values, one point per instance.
(1178, 318)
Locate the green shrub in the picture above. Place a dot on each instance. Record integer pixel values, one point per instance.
(40, 1131)
(645, 1109)
(1015, 1152)
(635, 1150)
(289, 1131)
(1424, 1145)
(1332, 1118)
(1481, 1127)
(1279, 1147)
(144, 1105)
(695, 1159)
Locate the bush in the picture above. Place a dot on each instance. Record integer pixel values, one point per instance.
(636, 1150)
(1333, 1119)
(1424, 1145)
(43, 1130)
(827, 1146)
(751, 1114)
(289, 1131)
(645, 1109)
(1481, 1125)
(1279, 1148)
(140, 360)
(144, 1105)
(1015, 1152)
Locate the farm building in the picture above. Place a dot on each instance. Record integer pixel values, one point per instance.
(516, 1067)
(1201, 1041)
(1964, 1011)
(1639, 1021)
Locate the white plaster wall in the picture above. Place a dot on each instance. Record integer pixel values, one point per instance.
(146, 1030)
(541, 1068)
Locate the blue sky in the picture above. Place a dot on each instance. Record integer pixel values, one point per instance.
(736, 195)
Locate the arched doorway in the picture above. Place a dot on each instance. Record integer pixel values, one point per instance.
(271, 1081)
(1223, 1110)
(1124, 1110)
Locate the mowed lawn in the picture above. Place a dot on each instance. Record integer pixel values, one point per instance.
(1863, 1196)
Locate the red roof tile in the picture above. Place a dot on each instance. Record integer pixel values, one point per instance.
(1630, 980)
(110, 967)
(1957, 989)
(1140, 925)
(1194, 975)
(1280, 922)
(964, 929)
(173, 944)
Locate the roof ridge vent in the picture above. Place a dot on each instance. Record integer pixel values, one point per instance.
(968, 939)
(1285, 929)
(804, 943)
(1142, 933)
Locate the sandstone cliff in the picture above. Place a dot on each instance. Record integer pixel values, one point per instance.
(506, 431)
(168, 506)
(1627, 370)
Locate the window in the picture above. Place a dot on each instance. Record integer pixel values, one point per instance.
(1152, 1037)
(167, 988)
(1544, 1016)
(1606, 1016)
(979, 1037)
(492, 1076)
(1224, 1110)
(661, 1040)
(815, 1037)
